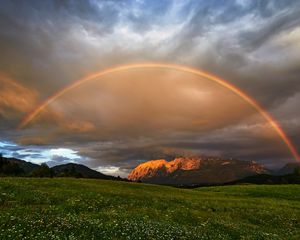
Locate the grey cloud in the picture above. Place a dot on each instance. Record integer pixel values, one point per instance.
(277, 25)
(229, 55)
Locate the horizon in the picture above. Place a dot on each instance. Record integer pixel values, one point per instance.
(110, 171)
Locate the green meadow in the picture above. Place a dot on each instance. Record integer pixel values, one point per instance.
(65, 208)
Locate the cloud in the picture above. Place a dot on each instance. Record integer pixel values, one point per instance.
(15, 100)
(110, 108)
(121, 120)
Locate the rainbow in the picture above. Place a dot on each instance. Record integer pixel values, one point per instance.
(181, 68)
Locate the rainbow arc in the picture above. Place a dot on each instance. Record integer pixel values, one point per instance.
(180, 68)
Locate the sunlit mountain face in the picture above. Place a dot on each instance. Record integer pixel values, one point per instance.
(114, 121)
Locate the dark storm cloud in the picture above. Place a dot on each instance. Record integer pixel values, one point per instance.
(34, 41)
(45, 45)
(281, 23)
(237, 36)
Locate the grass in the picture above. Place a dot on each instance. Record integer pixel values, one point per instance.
(62, 208)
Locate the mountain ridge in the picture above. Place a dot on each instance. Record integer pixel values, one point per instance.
(196, 170)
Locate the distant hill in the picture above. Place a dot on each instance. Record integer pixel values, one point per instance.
(269, 179)
(17, 167)
(289, 168)
(195, 171)
(27, 167)
(78, 170)
(289, 174)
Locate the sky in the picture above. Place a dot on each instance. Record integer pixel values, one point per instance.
(119, 120)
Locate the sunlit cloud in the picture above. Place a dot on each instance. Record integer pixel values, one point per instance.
(15, 99)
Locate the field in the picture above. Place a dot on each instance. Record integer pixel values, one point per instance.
(62, 208)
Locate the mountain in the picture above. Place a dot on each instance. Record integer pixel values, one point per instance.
(270, 179)
(17, 167)
(27, 167)
(78, 170)
(289, 168)
(195, 171)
